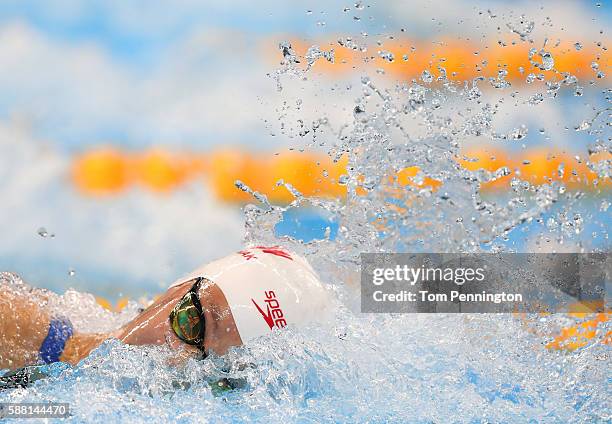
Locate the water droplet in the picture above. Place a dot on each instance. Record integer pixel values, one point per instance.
(523, 28)
(327, 233)
(427, 77)
(584, 125)
(578, 223)
(561, 170)
(289, 55)
(358, 110)
(578, 45)
(518, 133)
(570, 79)
(386, 55)
(547, 61)
(42, 231)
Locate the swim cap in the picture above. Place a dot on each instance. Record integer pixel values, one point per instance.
(267, 288)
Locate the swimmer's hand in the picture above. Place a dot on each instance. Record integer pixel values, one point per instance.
(22, 377)
(26, 376)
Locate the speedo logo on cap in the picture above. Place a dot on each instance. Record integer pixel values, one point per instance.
(273, 315)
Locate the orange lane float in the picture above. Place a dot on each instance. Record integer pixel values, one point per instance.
(587, 330)
(538, 167)
(581, 334)
(462, 60)
(310, 174)
(590, 318)
(162, 171)
(102, 171)
(106, 304)
(106, 171)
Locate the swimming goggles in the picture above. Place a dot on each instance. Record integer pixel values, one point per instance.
(186, 318)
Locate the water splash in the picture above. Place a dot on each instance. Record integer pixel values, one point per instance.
(81, 308)
(440, 206)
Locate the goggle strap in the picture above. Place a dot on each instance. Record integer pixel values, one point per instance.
(196, 299)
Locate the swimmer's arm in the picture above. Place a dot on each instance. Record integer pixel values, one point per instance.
(24, 324)
(80, 345)
(23, 327)
(149, 327)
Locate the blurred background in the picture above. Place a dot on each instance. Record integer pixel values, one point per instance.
(124, 124)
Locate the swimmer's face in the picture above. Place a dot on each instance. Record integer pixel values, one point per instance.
(152, 325)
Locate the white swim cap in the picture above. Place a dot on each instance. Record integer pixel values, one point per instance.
(267, 288)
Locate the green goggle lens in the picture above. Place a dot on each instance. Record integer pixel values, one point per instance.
(186, 318)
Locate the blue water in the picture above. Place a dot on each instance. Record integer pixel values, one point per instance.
(308, 224)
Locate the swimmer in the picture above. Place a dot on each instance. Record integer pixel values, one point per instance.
(222, 304)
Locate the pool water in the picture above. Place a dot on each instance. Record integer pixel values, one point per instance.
(375, 368)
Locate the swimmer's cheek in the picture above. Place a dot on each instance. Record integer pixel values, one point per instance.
(222, 339)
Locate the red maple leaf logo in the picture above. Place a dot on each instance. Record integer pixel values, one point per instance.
(275, 250)
(246, 254)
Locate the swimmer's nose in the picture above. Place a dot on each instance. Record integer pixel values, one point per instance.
(177, 345)
(172, 341)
